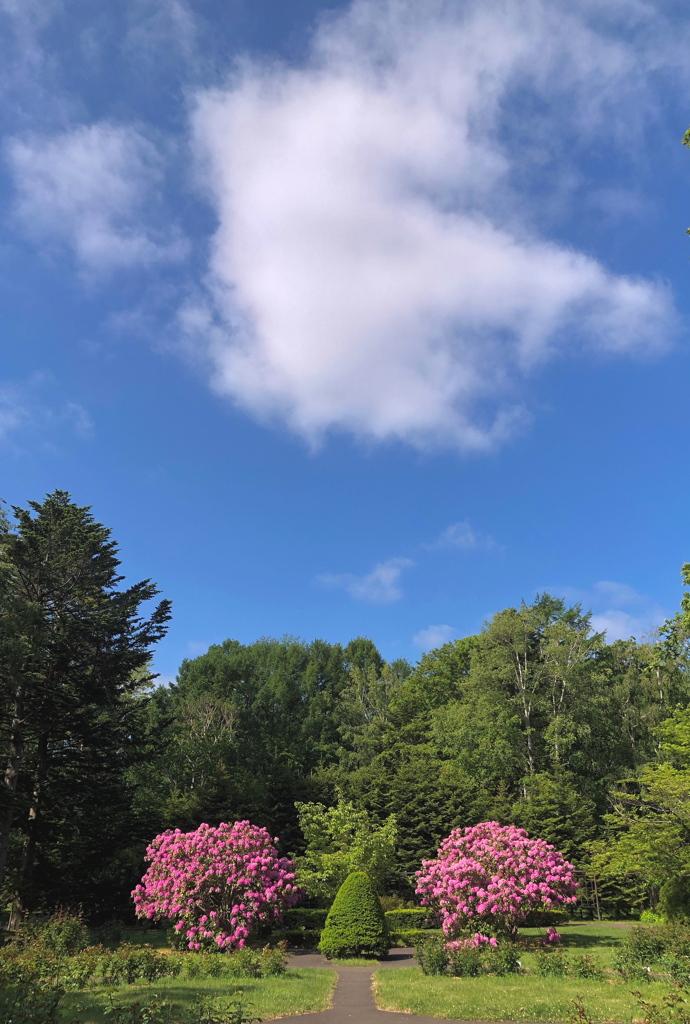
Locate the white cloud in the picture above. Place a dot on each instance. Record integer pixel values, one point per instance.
(620, 625)
(433, 636)
(380, 586)
(618, 609)
(31, 410)
(92, 188)
(14, 413)
(462, 535)
(378, 266)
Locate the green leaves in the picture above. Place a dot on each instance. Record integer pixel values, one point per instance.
(75, 658)
(341, 840)
(355, 925)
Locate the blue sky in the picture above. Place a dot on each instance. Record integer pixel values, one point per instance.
(353, 319)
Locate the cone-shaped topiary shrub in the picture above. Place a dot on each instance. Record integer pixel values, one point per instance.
(355, 925)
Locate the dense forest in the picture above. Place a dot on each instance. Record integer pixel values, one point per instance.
(535, 721)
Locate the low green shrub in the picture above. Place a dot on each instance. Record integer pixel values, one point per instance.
(63, 933)
(586, 966)
(630, 965)
(652, 917)
(409, 920)
(355, 925)
(259, 963)
(649, 944)
(664, 949)
(30, 1002)
(31, 986)
(77, 970)
(552, 963)
(128, 963)
(677, 966)
(431, 955)
(435, 956)
(243, 963)
(465, 963)
(503, 960)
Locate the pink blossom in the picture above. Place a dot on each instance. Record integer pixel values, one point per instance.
(219, 881)
(502, 873)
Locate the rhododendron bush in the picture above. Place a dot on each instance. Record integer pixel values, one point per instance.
(216, 883)
(494, 874)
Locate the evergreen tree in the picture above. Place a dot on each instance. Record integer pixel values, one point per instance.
(356, 925)
(76, 650)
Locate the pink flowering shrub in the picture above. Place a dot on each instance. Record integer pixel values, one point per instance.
(494, 874)
(477, 941)
(552, 936)
(216, 883)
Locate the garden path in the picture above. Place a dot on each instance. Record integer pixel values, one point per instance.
(354, 999)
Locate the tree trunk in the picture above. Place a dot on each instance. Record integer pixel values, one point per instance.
(12, 771)
(29, 848)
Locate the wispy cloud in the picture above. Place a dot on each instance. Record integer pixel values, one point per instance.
(380, 586)
(93, 188)
(618, 609)
(32, 410)
(379, 266)
(434, 636)
(152, 22)
(462, 536)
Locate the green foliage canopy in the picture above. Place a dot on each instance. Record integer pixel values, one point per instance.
(341, 840)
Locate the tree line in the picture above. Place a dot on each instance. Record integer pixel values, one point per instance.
(536, 721)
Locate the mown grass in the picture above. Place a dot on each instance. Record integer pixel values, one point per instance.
(525, 997)
(598, 940)
(513, 998)
(303, 990)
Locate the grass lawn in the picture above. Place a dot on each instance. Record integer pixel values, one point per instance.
(296, 991)
(525, 997)
(598, 940)
(513, 998)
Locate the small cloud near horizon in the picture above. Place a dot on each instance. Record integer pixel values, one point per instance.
(461, 535)
(380, 586)
(434, 636)
(618, 609)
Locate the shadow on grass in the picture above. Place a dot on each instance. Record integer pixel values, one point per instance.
(590, 937)
(579, 941)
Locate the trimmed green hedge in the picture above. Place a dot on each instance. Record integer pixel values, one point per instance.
(304, 917)
(411, 936)
(404, 920)
(356, 925)
(305, 938)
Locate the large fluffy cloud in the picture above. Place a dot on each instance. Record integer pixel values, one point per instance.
(378, 265)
